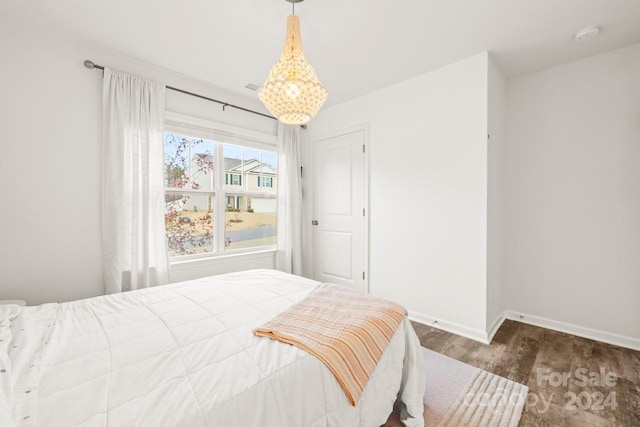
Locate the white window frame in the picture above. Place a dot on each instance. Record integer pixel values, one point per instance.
(206, 129)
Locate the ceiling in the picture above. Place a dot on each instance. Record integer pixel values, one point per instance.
(356, 46)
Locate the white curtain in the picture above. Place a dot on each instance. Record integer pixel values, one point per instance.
(134, 241)
(289, 223)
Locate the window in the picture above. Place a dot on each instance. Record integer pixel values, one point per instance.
(265, 181)
(219, 197)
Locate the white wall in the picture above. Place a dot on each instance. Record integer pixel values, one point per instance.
(50, 127)
(573, 194)
(427, 149)
(496, 146)
(229, 264)
(542, 220)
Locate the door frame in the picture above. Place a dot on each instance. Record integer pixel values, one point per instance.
(318, 139)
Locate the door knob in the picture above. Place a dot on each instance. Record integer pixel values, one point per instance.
(314, 222)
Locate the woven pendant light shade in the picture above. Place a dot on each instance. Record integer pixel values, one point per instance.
(293, 93)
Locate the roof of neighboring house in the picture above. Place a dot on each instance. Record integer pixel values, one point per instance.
(230, 163)
(235, 165)
(252, 166)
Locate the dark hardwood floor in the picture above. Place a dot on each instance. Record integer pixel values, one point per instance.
(539, 358)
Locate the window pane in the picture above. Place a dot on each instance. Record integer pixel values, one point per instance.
(269, 171)
(252, 168)
(201, 174)
(249, 222)
(189, 223)
(176, 153)
(188, 162)
(233, 166)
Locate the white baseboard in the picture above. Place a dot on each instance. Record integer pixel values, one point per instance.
(487, 337)
(580, 331)
(494, 328)
(454, 328)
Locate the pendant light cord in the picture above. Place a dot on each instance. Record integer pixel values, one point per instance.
(293, 6)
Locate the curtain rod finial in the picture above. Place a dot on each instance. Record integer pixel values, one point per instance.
(89, 64)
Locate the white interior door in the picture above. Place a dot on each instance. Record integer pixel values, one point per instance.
(339, 221)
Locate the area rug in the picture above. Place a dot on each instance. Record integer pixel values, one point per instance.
(461, 395)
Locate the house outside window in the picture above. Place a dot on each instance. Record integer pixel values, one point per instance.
(219, 197)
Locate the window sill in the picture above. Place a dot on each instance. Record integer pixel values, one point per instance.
(219, 259)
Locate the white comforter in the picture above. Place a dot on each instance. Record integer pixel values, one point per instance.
(184, 355)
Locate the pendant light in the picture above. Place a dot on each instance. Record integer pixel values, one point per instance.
(293, 93)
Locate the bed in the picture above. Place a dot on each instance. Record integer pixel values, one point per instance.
(184, 355)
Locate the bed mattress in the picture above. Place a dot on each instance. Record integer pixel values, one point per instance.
(183, 355)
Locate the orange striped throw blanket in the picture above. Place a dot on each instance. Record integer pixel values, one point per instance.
(346, 330)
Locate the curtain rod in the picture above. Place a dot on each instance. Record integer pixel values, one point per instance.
(92, 65)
